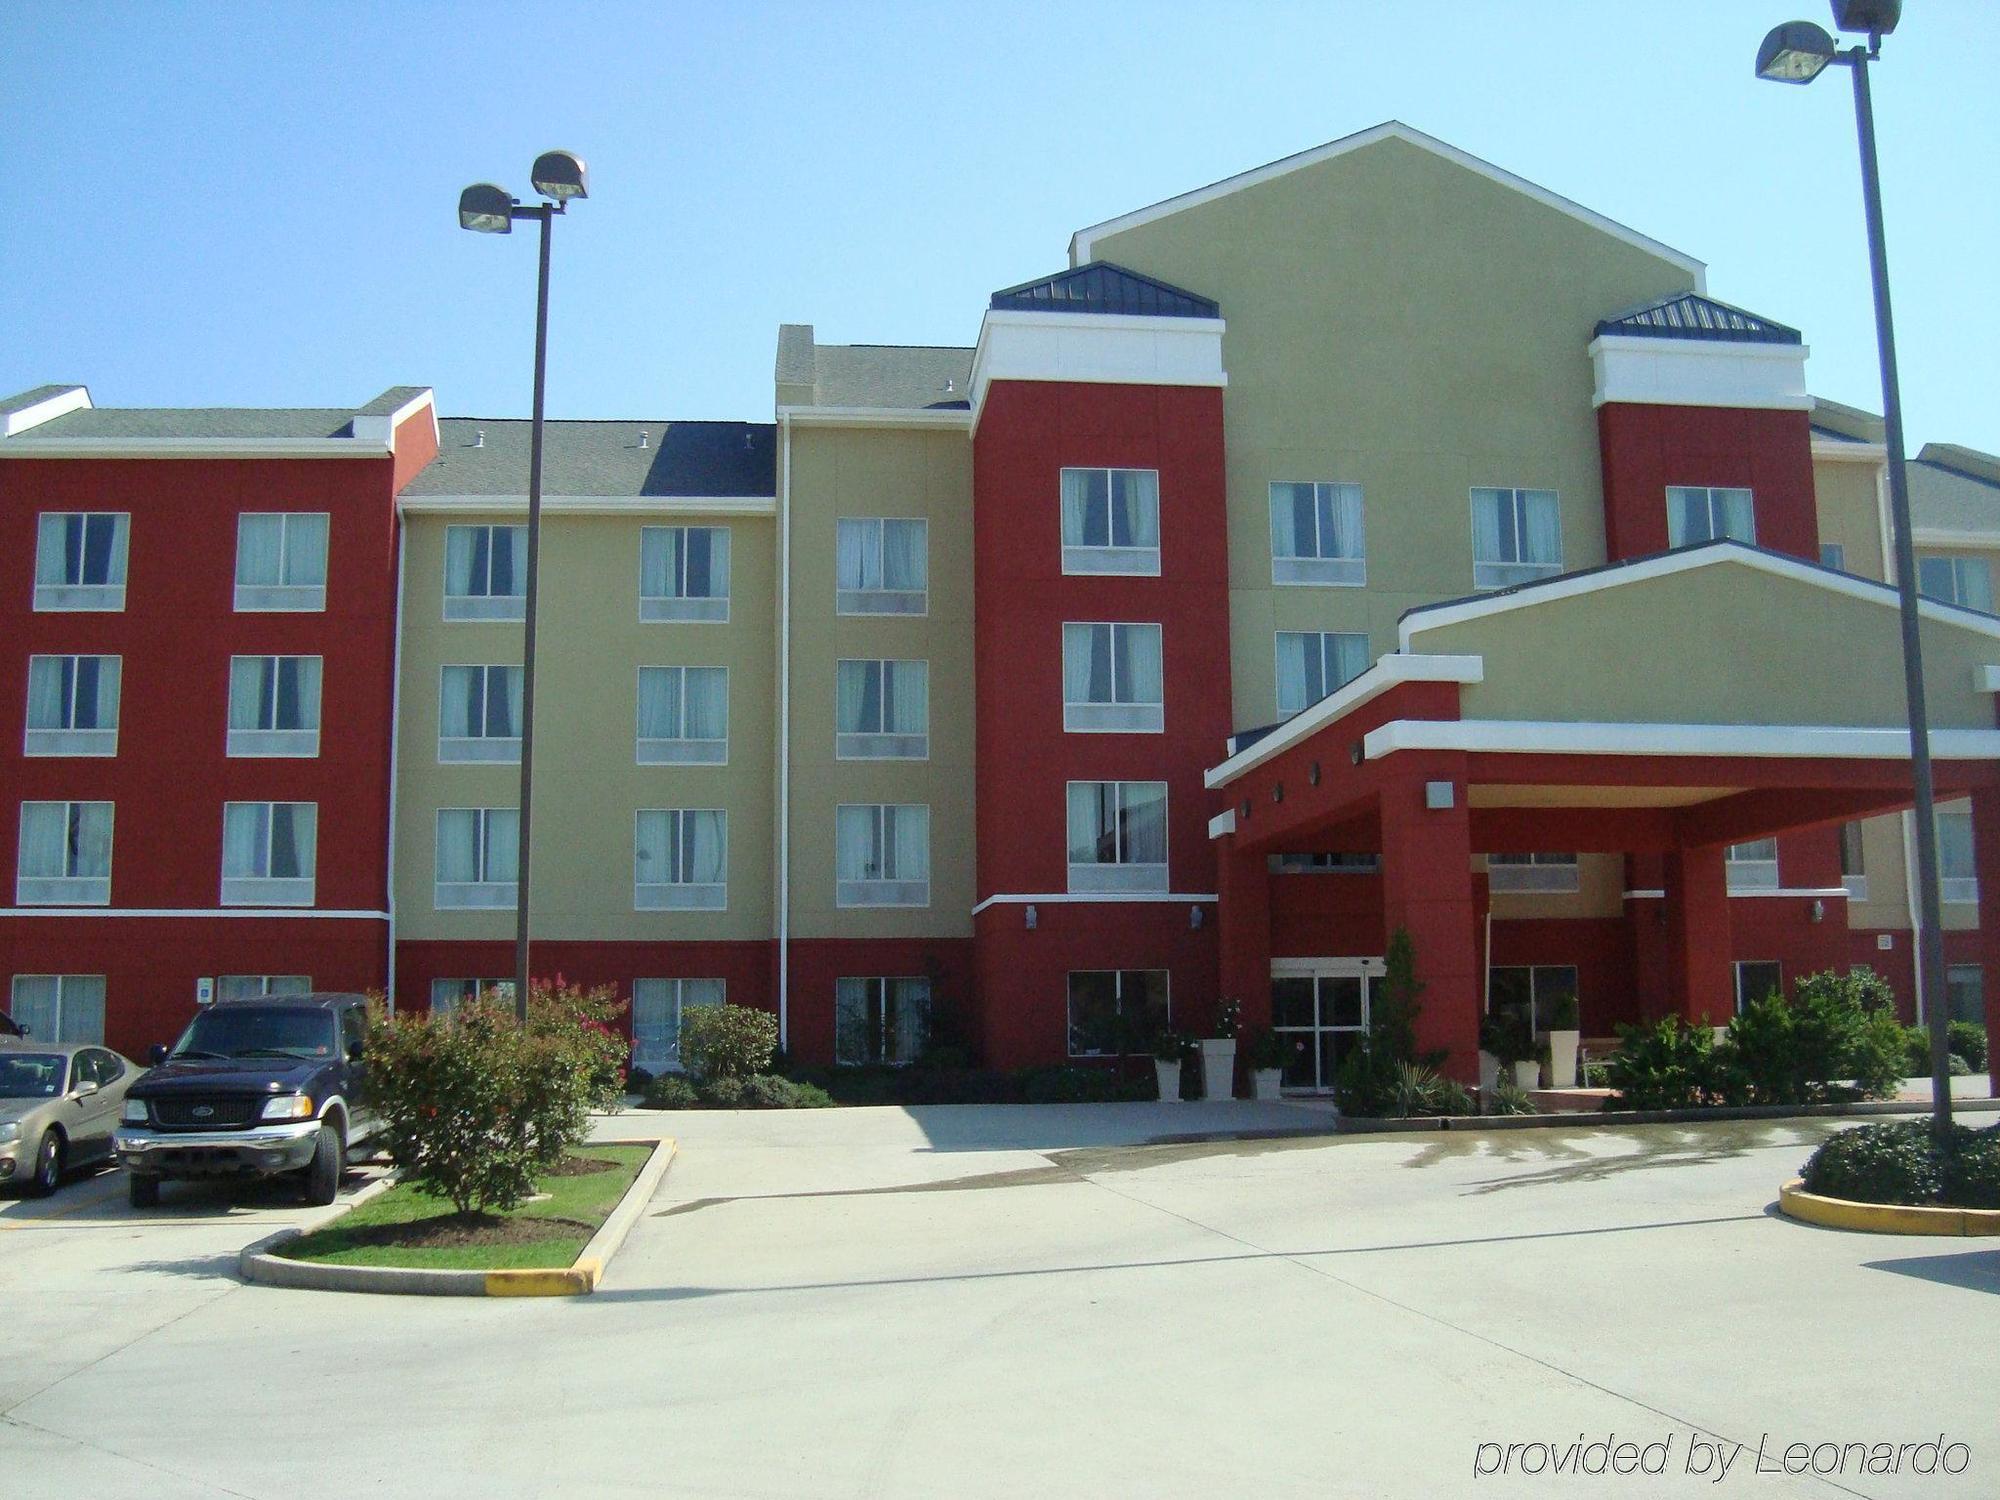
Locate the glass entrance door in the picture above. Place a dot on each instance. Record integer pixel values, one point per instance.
(1319, 1010)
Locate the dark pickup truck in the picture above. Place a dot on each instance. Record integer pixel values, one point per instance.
(254, 1088)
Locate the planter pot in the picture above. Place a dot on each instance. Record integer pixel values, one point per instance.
(1218, 1067)
(1169, 1074)
(1489, 1072)
(1562, 1058)
(1528, 1074)
(1267, 1083)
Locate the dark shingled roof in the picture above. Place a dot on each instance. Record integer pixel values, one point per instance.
(1102, 287)
(686, 459)
(1689, 315)
(898, 377)
(191, 422)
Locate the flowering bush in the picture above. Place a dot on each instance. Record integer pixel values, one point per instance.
(1228, 1018)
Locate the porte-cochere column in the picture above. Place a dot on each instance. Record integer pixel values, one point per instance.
(1427, 888)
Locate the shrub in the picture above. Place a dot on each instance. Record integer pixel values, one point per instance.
(1836, 1028)
(1505, 1034)
(727, 1041)
(671, 1091)
(1394, 1002)
(1062, 1085)
(725, 1092)
(1509, 1098)
(1956, 1066)
(1566, 1015)
(1667, 1064)
(1906, 1162)
(637, 1081)
(1267, 1049)
(1916, 1052)
(1972, 1172)
(1968, 1040)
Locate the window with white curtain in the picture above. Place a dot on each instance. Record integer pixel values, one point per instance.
(1317, 534)
(65, 854)
(882, 710)
(882, 854)
(1696, 514)
(80, 560)
(60, 1009)
(281, 561)
(447, 995)
(1538, 873)
(1117, 835)
(1966, 581)
(478, 857)
(1753, 866)
(274, 705)
(485, 572)
(1111, 521)
(681, 860)
(1958, 873)
(881, 567)
(658, 1008)
(1516, 537)
(1111, 679)
(885, 1020)
(72, 705)
(1314, 663)
(683, 716)
(256, 986)
(479, 714)
(269, 851)
(684, 573)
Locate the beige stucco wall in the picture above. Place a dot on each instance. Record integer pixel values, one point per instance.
(588, 786)
(1400, 321)
(1849, 510)
(888, 472)
(1600, 892)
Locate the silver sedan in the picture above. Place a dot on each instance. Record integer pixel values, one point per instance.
(59, 1103)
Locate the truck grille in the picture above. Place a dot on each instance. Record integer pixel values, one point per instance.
(206, 1112)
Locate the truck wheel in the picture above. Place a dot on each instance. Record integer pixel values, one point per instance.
(329, 1161)
(143, 1192)
(48, 1165)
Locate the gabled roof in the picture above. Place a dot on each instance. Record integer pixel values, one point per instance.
(1689, 315)
(1103, 287)
(1082, 244)
(603, 459)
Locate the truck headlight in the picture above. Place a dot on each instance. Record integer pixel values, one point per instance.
(135, 1112)
(10, 1130)
(288, 1107)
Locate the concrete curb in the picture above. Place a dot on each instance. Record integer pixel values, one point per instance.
(257, 1262)
(1860, 1108)
(1884, 1218)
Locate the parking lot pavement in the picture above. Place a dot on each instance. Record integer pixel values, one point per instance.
(997, 1302)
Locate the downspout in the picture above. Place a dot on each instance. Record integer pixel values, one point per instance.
(784, 730)
(395, 763)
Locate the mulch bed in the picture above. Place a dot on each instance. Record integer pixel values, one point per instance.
(456, 1231)
(581, 1166)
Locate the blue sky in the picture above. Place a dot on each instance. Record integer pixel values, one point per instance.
(234, 204)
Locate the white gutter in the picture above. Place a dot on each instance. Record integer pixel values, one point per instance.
(395, 766)
(784, 893)
(197, 448)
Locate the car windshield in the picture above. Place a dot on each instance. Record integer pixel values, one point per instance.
(257, 1031)
(31, 1075)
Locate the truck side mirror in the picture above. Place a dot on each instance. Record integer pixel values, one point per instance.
(156, 1054)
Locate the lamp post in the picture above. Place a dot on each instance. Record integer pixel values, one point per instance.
(486, 209)
(1798, 52)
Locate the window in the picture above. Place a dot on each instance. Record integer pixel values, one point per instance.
(1115, 1012)
(274, 705)
(1111, 679)
(478, 857)
(447, 995)
(60, 1009)
(1537, 872)
(683, 716)
(658, 1008)
(281, 562)
(681, 862)
(684, 573)
(485, 572)
(268, 853)
(882, 854)
(1516, 537)
(1316, 534)
(880, 1020)
(1852, 875)
(1966, 581)
(80, 560)
(1964, 988)
(1532, 992)
(1958, 876)
(1833, 555)
(72, 705)
(479, 714)
(1703, 515)
(1117, 835)
(881, 567)
(253, 986)
(1324, 864)
(1752, 866)
(65, 855)
(1111, 521)
(1757, 979)
(1313, 663)
(882, 710)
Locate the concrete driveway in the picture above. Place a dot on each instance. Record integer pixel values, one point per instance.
(1002, 1301)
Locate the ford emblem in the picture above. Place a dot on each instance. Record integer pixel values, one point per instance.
(201, 1111)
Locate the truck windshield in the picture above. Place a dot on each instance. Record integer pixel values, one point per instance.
(257, 1031)
(30, 1075)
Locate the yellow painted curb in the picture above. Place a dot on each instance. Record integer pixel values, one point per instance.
(1884, 1218)
(571, 1281)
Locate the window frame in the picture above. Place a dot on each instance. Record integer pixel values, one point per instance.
(268, 889)
(1957, 564)
(1316, 569)
(1146, 877)
(879, 1022)
(274, 743)
(1833, 556)
(1957, 890)
(1715, 532)
(1080, 559)
(890, 891)
(1853, 850)
(677, 894)
(293, 984)
(1115, 716)
(1524, 875)
(1492, 573)
(1350, 862)
(67, 740)
(282, 598)
(864, 602)
(478, 894)
(1535, 973)
(80, 597)
(657, 750)
(62, 983)
(882, 743)
(68, 888)
(677, 993)
(1737, 979)
(1324, 637)
(476, 749)
(682, 608)
(489, 606)
(1743, 874)
(502, 990)
(1119, 1008)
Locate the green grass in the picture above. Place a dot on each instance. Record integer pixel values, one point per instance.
(589, 1199)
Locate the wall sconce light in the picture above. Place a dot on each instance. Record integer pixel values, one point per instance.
(1244, 810)
(1194, 919)
(1278, 792)
(1030, 913)
(1354, 753)
(1312, 774)
(1818, 910)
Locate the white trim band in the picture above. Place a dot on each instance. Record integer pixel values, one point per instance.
(1758, 741)
(285, 913)
(1637, 370)
(1098, 898)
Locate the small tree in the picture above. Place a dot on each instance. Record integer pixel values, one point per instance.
(728, 1041)
(1392, 1018)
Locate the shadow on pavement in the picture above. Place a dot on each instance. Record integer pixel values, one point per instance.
(1976, 1270)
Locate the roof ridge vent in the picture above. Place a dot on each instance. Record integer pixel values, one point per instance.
(642, 438)
(479, 438)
